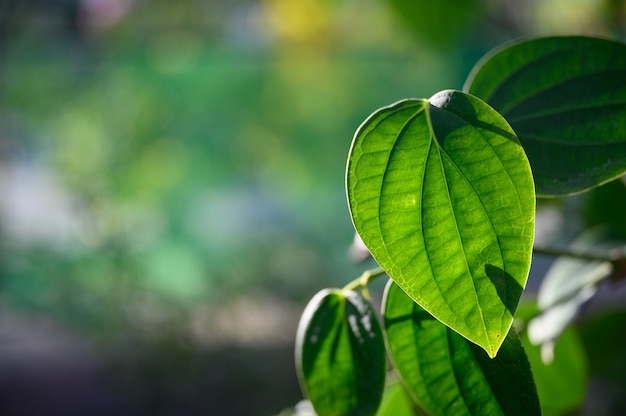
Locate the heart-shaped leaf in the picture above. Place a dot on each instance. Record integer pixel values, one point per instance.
(448, 374)
(441, 193)
(565, 97)
(340, 354)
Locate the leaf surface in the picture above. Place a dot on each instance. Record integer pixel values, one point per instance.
(340, 354)
(441, 193)
(396, 402)
(448, 374)
(565, 97)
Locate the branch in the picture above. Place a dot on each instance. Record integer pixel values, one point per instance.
(577, 254)
(617, 258)
(364, 280)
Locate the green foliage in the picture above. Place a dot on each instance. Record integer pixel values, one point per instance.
(396, 402)
(568, 284)
(562, 381)
(424, 175)
(450, 375)
(424, 17)
(341, 354)
(442, 194)
(565, 97)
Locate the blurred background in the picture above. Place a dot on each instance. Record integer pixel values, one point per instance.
(172, 182)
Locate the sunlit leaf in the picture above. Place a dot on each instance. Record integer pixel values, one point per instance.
(340, 354)
(565, 97)
(441, 193)
(448, 374)
(396, 402)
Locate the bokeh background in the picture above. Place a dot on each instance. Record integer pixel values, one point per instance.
(171, 182)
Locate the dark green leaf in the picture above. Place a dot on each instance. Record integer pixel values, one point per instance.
(424, 17)
(565, 97)
(441, 193)
(448, 374)
(605, 205)
(604, 339)
(562, 382)
(340, 354)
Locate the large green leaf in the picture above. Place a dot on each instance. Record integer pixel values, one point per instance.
(565, 97)
(340, 354)
(448, 374)
(441, 193)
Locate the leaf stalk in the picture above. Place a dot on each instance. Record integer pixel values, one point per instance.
(365, 279)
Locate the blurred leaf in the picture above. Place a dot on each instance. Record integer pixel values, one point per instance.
(568, 284)
(565, 97)
(568, 275)
(562, 383)
(605, 341)
(448, 374)
(340, 354)
(441, 193)
(439, 22)
(605, 205)
(396, 402)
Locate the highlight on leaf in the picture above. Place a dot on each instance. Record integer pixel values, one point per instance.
(340, 354)
(441, 193)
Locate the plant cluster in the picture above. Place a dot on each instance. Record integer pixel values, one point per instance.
(443, 191)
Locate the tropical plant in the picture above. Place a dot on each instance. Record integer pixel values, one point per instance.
(443, 193)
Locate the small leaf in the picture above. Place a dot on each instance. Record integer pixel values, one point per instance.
(396, 402)
(562, 383)
(565, 97)
(448, 374)
(340, 354)
(441, 193)
(568, 284)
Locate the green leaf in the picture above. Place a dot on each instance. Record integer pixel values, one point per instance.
(396, 402)
(561, 383)
(604, 339)
(441, 193)
(565, 97)
(448, 374)
(340, 354)
(605, 205)
(424, 17)
(568, 284)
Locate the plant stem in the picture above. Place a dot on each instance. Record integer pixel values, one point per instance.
(568, 252)
(364, 279)
(369, 275)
